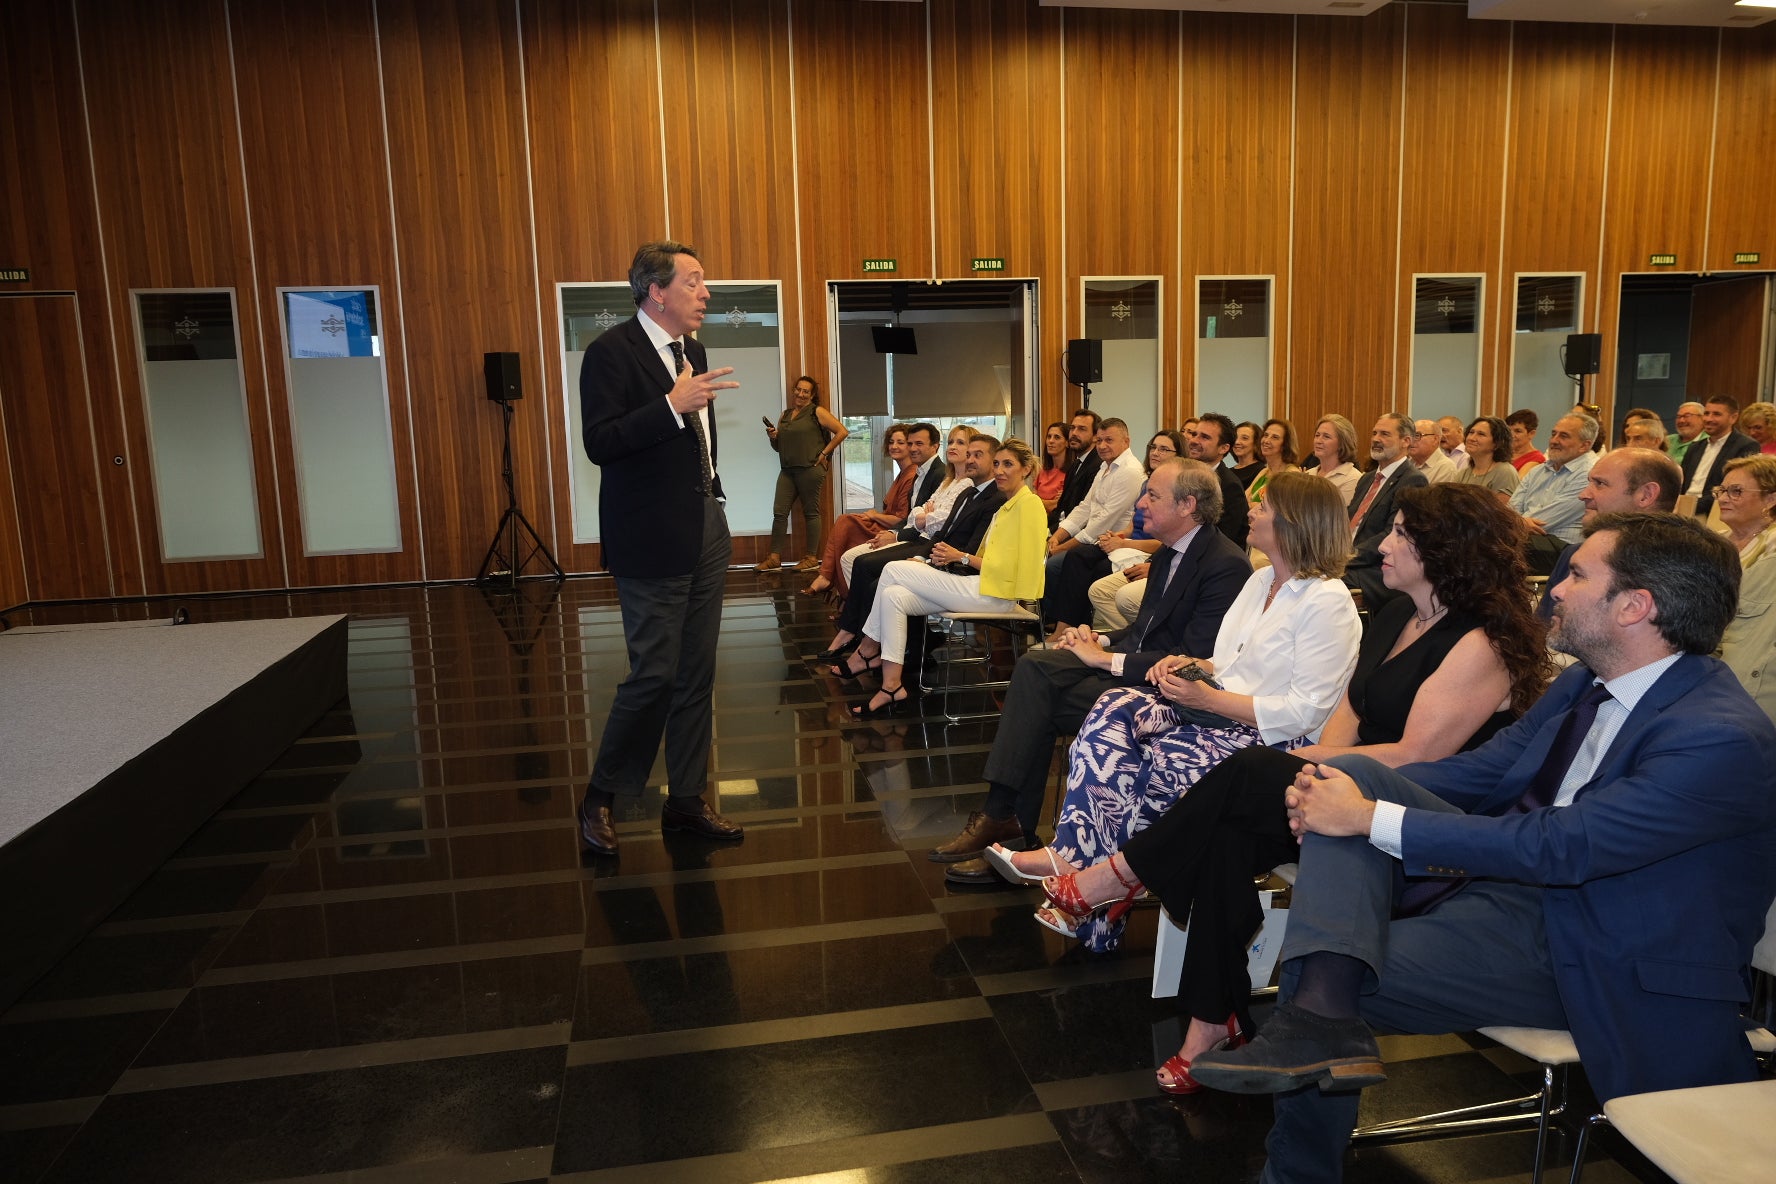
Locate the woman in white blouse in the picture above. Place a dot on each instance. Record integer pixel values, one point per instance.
(1284, 653)
(1335, 446)
(929, 518)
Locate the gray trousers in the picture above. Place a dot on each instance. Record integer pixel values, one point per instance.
(671, 625)
(1477, 959)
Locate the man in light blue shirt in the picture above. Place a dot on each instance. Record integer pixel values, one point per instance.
(1548, 495)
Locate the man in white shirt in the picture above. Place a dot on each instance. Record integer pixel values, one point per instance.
(1548, 495)
(1427, 454)
(1453, 431)
(1532, 864)
(1110, 503)
(1705, 461)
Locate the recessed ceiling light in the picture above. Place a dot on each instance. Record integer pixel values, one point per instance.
(1755, 3)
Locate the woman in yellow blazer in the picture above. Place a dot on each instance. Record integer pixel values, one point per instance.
(1008, 568)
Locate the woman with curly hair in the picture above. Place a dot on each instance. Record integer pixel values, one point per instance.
(1457, 656)
(1488, 443)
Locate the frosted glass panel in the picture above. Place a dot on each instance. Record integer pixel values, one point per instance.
(1547, 310)
(1124, 314)
(1233, 348)
(345, 462)
(197, 426)
(1445, 347)
(587, 311)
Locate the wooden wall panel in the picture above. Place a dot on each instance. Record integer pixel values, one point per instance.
(1453, 170)
(1235, 139)
(1727, 338)
(1347, 176)
(861, 117)
(49, 224)
(456, 134)
(1742, 211)
(591, 75)
(166, 146)
(996, 122)
(1121, 162)
(317, 176)
(1656, 194)
(13, 590)
(49, 434)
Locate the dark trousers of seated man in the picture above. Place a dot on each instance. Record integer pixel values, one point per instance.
(866, 573)
(1067, 600)
(1541, 551)
(1050, 693)
(1476, 959)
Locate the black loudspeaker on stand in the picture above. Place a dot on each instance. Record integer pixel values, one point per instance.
(1085, 365)
(503, 566)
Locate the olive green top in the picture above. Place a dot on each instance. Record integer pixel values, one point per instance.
(799, 438)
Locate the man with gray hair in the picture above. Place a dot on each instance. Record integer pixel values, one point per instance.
(1372, 504)
(1645, 431)
(1689, 425)
(1426, 453)
(1548, 495)
(1197, 573)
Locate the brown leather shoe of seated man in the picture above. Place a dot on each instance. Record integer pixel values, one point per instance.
(980, 833)
(598, 833)
(695, 816)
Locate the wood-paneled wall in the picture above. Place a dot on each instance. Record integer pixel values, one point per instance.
(469, 156)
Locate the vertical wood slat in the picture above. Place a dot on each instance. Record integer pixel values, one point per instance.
(456, 136)
(171, 201)
(1742, 213)
(322, 226)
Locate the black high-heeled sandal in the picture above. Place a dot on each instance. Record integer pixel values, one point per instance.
(843, 670)
(833, 655)
(896, 697)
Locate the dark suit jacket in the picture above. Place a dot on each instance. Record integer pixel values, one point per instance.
(1187, 617)
(1654, 881)
(1364, 570)
(922, 493)
(1235, 522)
(650, 500)
(967, 528)
(1079, 483)
(1738, 444)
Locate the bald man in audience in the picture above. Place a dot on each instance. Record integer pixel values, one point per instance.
(1425, 449)
(1620, 482)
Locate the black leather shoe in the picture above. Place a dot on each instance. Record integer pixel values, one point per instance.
(598, 834)
(1295, 1048)
(695, 816)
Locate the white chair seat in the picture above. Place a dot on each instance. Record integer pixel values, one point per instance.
(1541, 1045)
(1714, 1134)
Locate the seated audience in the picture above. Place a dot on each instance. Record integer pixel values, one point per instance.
(1548, 497)
(1110, 503)
(1335, 448)
(1594, 411)
(1489, 457)
(1276, 448)
(1456, 656)
(1454, 440)
(1246, 461)
(1057, 458)
(961, 525)
(1747, 498)
(1372, 506)
(1602, 866)
(1688, 422)
(1082, 429)
(1522, 425)
(927, 517)
(1646, 431)
(1065, 600)
(848, 530)
(1209, 440)
(1281, 660)
(1426, 456)
(1705, 462)
(1006, 569)
(1758, 421)
(1625, 481)
(1199, 573)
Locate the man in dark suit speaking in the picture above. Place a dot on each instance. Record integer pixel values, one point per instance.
(647, 402)
(1196, 575)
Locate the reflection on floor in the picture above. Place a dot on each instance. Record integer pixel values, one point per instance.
(386, 957)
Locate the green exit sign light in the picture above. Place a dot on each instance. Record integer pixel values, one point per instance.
(15, 275)
(981, 264)
(1663, 260)
(880, 265)
(1745, 257)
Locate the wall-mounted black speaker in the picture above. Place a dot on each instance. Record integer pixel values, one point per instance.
(1582, 352)
(1085, 361)
(503, 383)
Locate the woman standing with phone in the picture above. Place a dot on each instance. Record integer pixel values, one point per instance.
(804, 439)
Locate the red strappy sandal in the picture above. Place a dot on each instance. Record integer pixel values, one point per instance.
(1067, 910)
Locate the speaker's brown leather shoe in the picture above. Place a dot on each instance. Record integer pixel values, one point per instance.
(980, 833)
(695, 816)
(598, 834)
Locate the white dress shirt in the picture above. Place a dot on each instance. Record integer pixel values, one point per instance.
(662, 341)
(1183, 544)
(1293, 660)
(1110, 503)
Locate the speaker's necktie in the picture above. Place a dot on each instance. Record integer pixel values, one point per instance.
(696, 418)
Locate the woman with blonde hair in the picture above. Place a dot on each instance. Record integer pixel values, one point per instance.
(1335, 447)
(1285, 651)
(1746, 498)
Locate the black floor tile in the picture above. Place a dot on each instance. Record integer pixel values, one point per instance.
(42, 1060)
(320, 1122)
(1216, 1137)
(130, 963)
(196, 891)
(781, 1094)
(1082, 1031)
(26, 1154)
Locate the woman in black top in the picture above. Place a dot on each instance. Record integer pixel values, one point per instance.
(1452, 660)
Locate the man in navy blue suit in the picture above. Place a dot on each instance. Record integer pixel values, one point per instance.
(1602, 866)
(647, 403)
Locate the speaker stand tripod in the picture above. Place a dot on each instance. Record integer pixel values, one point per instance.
(502, 566)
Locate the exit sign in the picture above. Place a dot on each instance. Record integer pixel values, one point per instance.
(1663, 260)
(1745, 257)
(15, 275)
(880, 265)
(989, 264)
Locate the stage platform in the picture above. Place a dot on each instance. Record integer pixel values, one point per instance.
(116, 743)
